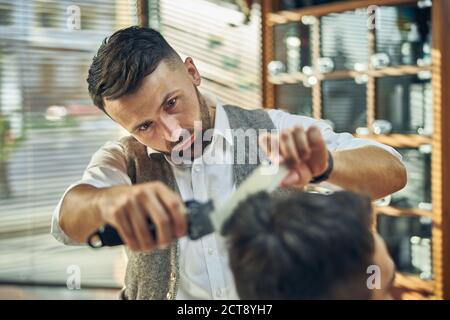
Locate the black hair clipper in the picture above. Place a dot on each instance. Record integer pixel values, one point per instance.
(199, 225)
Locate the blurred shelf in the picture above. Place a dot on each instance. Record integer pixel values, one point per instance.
(413, 282)
(338, 75)
(394, 71)
(412, 295)
(398, 71)
(399, 140)
(283, 17)
(402, 212)
(411, 286)
(287, 78)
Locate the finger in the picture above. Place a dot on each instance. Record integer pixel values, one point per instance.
(175, 207)
(291, 179)
(301, 142)
(140, 225)
(288, 149)
(318, 160)
(299, 177)
(305, 173)
(271, 146)
(160, 219)
(126, 231)
(315, 139)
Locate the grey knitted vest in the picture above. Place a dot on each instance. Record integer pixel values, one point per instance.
(156, 275)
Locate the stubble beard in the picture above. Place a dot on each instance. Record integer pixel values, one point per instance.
(206, 124)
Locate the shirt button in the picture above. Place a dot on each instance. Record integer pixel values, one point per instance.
(169, 296)
(218, 292)
(210, 251)
(197, 168)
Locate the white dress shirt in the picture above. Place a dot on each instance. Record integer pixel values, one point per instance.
(204, 269)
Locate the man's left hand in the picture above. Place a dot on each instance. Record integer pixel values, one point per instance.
(304, 152)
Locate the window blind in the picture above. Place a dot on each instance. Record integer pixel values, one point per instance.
(226, 51)
(51, 128)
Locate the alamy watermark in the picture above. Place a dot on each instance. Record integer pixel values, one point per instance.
(374, 280)
(74, 279)
(373, 17)
(246, 147)
(73, 21)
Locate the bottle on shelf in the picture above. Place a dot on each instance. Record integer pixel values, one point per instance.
(292, 42)
(411, 47)
(381, 127)
(276, 67)
(409, 241)
(380, 60)
(421, 258)
(325, 65)
(426, 52)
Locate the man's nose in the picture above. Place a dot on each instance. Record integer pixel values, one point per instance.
(171, 128)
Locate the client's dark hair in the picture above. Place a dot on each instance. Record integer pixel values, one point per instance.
(301, 246)
(124, 59)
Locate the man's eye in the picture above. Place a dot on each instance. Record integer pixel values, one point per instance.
(145, 126)
(171, 103)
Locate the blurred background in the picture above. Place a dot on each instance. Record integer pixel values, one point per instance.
(367, 67)
(50, 129)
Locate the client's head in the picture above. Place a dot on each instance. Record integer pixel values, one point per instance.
(307, 246)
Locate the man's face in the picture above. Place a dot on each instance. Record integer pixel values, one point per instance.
(383, 260)
(162, 112)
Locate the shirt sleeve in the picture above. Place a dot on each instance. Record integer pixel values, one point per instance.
(334, 141)
(107, 168)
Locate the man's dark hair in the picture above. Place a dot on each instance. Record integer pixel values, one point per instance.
(124, 59)
(301, 246)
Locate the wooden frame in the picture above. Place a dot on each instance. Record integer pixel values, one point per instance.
(321, 10)
(441, 148)
(439, 288)
(142, 12)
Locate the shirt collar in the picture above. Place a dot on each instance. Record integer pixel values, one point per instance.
(221, 126)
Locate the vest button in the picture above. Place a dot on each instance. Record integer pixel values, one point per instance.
(169, 296)
(172, 276)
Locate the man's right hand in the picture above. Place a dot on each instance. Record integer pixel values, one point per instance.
(127, 209)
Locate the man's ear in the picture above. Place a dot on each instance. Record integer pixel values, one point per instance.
(192, 71)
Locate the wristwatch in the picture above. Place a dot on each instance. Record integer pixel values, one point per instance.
(324, 176)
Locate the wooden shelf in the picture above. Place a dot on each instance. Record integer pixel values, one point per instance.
(414, 295)
(413, 282)
(440, 139)
(287, 78)
(402, 212)
(399, 140)
(283, 17)
(339, 75)
(398, 71)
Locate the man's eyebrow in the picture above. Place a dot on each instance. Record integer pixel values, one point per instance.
(166, 97)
